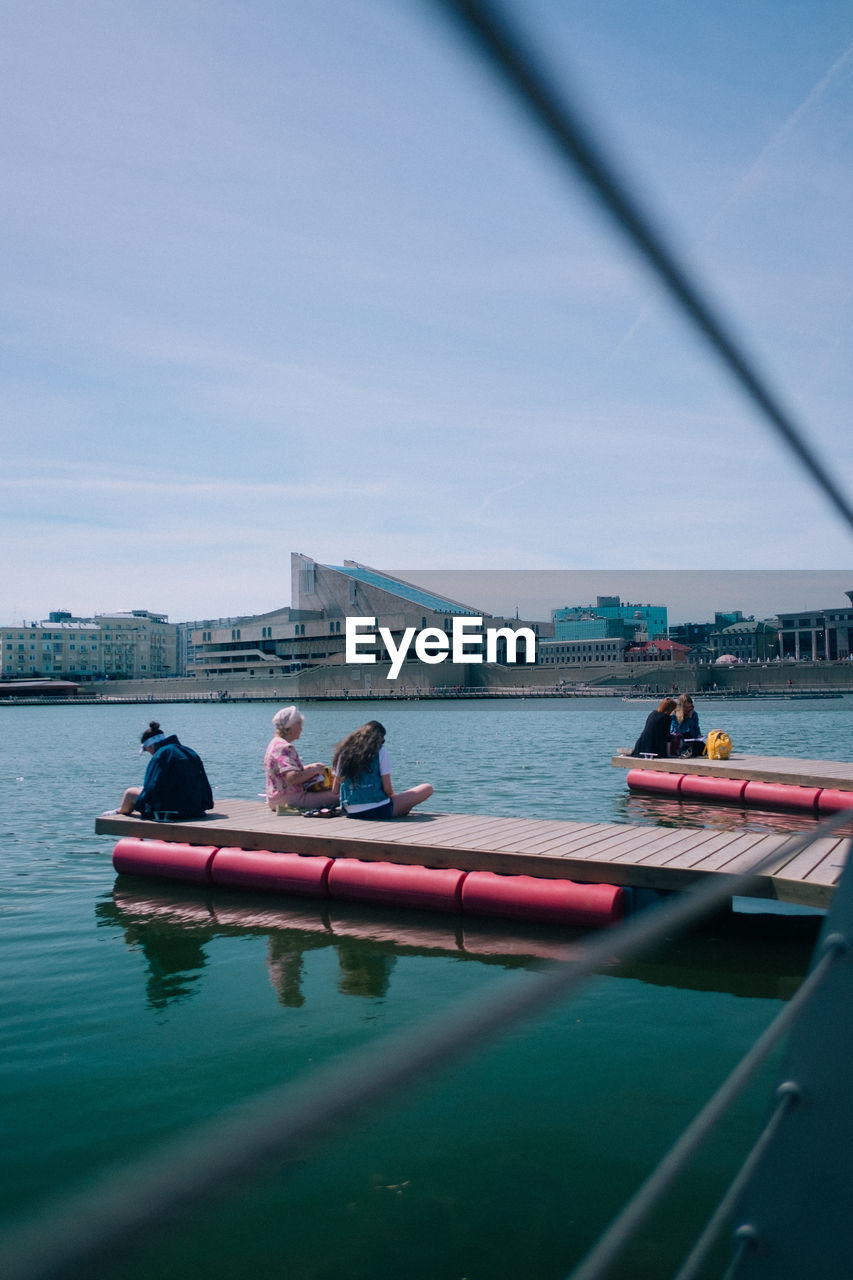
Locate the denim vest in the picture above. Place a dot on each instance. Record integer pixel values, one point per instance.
(367, 788)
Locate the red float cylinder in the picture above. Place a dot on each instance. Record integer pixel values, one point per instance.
(306, 875)
(163, 858)
(699, 786)
(831, 800)
(395, 884)
(780, 795)
(652, 780)
(550, 901)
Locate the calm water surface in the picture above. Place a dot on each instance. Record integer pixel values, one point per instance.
(131, 1010)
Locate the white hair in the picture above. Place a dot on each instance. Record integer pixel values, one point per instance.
(286, 718)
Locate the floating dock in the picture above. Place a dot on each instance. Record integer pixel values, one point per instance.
(832, 774)
(817, 787)
(648, 857)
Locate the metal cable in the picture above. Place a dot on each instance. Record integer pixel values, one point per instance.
(786, 1097)
(561, 120)
(66, 1238)
(631, 1218)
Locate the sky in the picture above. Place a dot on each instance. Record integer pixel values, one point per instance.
(299, 275)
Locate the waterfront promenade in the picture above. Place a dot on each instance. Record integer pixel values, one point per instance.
(408, 694)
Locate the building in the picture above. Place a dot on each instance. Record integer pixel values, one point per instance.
(656, 651)
(66, 649)
(817, 635)
(580, 652)
(312, 631)
(749, 641)
(138, 645)
(723, 620)
(610, 617)
(135, 645)
(693, 634)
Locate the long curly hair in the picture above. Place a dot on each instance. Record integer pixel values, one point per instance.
(353, 755)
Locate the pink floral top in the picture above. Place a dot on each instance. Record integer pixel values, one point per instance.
(281, 759)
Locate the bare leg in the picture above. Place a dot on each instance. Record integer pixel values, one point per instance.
(129, 799)
(405, 801)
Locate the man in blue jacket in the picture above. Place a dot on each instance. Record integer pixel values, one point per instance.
(175, 785)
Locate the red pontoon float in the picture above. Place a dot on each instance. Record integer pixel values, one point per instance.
(562, 902)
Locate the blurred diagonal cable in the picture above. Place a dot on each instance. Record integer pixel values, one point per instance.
(507, 51)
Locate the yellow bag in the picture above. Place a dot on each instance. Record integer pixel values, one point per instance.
(324, 783)
(718, 745)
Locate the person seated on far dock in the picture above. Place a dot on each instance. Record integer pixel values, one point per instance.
(363, 772)
(175, 785)
(685, 725)
(656, 738)
(287, 778)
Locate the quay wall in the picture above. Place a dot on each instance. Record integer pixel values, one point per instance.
(447, 679)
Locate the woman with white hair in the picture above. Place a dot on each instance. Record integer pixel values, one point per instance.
(287, 777)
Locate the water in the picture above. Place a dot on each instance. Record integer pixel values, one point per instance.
(131, 1010)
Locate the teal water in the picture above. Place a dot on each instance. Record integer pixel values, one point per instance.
(131, 1010)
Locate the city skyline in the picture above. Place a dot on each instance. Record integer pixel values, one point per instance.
(688, 596)
(305, 276)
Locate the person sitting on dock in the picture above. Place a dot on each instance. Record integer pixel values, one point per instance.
(685, 725)
(656, 737)
(363, 771)
(175, 785)
(287, 778)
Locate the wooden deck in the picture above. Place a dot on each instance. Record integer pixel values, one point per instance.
(598, 853)
(835, 774)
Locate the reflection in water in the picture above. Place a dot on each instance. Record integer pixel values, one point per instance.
(751, 956)
(745, 955)
(672, 811)
(171, 927)
(287, 948)
(175, 957)
(363, 972)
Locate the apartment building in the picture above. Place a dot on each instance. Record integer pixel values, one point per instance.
(132, 645)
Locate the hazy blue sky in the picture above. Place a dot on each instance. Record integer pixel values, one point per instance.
(296, 275)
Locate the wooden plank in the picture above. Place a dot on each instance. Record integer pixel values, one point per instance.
(688, 852)
(497, 833)
(630, 845)
(748, 848)
(541, 840)
(806, 864)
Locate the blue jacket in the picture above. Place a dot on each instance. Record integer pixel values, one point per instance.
(366, 789)
(688, 727)
(175, 783)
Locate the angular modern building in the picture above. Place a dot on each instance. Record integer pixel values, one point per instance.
(312, 631)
